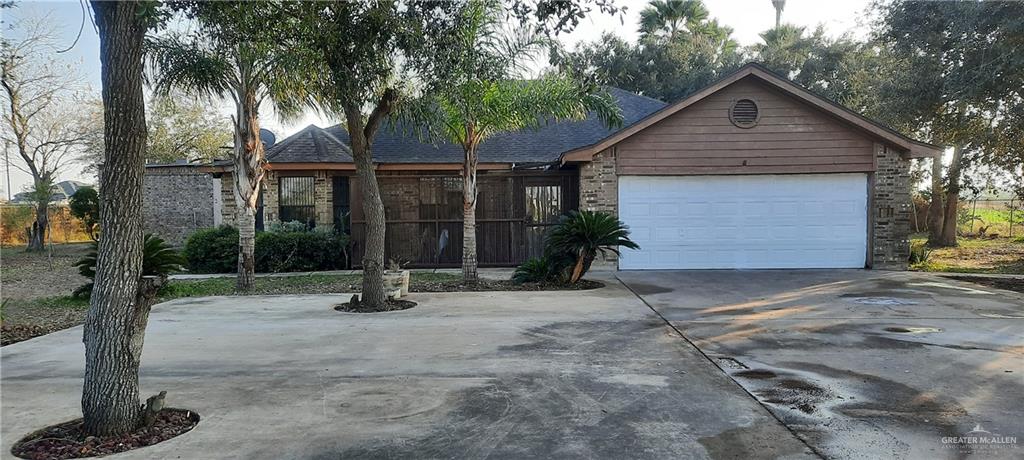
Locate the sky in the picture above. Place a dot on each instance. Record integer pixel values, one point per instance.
(748, 18)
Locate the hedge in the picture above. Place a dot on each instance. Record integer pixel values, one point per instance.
(283, 249)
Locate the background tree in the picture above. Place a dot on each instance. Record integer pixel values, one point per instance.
(115, 323)
(966, 62)
(232, 54)
(85, 206)
(485, 93)
(179, 127)
(668, 62)
(38, 113)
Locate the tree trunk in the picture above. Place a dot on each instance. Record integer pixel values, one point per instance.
(949, 226)
(469, 193)
(37, 235)
(248, 175)
(119, 307)
(373, 212)
(935, 206)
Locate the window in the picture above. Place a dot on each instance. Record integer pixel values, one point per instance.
(296, 200)
(744, 113)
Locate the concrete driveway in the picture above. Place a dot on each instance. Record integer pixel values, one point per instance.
(469, 375)
(861, 364)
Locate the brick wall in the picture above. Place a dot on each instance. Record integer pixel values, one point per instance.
(177, 201)
(599, 191)
(891, 209)
(322, 195)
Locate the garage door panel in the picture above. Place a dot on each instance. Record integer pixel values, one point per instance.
(781, 221)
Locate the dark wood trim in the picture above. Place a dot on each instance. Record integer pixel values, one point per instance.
(383, 166)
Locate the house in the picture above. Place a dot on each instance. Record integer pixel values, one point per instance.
(61, 193)
(752, 171)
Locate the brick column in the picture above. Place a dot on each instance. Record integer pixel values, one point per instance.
(891, 208)
(599, 191)
(322, 199)
(270, 199)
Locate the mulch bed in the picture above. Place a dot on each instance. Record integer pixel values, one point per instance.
(390, 305)
(483, 284)
(67, 440)
(1009, 284)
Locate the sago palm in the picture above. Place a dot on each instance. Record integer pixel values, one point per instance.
(584, 235)
(485, 95)
(229, 57)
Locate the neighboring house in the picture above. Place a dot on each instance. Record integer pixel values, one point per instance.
(62, 192)
(752, 171)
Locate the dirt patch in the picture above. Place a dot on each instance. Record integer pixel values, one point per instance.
(31, 275)
(390, 305)
(1000, 255)
(758, 374)
(23, 322)
(68, 440)
(1009, 284)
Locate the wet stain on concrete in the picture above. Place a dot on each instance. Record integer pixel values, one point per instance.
(757, 374)
(893, 402)
(648, 289)
(796, 394)
(912, 330)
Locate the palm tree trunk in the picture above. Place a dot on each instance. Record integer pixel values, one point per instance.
(119, 307)
(248, 175)
(469, 193)
(935, 206)
(949, 226)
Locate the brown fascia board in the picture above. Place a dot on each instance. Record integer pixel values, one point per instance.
(383, 166)
(911, 147)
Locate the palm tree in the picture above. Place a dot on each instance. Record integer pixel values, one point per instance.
(779, 5)
(484, 96)
(785, 49)
(670, 17)
(230, 56)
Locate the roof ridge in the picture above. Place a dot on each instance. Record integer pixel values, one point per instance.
(275, 149)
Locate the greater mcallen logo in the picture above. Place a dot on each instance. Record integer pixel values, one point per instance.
(980, 438)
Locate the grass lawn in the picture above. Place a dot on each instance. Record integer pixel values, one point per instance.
(973, 255)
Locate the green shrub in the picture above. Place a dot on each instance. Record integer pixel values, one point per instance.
(212, 250)
(300, 251)
(536, 270)
(287, 227)
(919, 252)
(158, 259)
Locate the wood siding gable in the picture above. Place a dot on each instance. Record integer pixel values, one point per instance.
(789, 137)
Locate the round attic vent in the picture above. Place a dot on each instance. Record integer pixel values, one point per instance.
(744, 113)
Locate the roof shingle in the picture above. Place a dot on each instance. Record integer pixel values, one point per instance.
(394, 145)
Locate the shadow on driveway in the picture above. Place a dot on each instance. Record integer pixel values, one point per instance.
(861, 363)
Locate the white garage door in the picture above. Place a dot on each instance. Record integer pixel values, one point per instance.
(763, 221)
